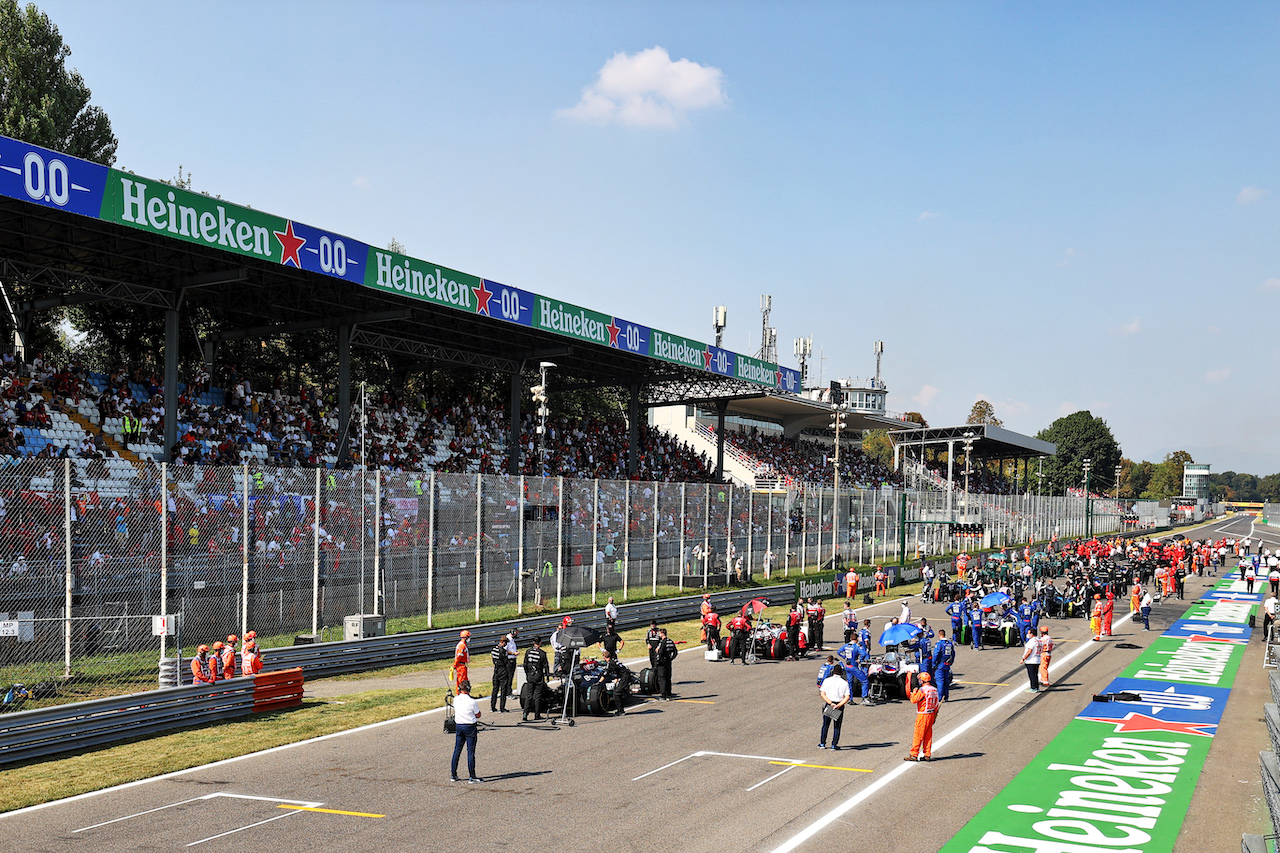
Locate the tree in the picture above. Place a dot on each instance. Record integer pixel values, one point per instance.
(984, 413)
(877, 446)
(1134, 477)
(41, 100)
(1166, 479)
(1080, 436)
(916, 418)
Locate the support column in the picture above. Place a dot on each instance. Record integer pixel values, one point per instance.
(513, 430)
(170, 383)
(344, 395)
(633, 430)
(951, 467)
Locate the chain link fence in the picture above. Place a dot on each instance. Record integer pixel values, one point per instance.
(86, 559)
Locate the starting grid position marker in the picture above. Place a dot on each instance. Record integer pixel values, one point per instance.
(294, 807)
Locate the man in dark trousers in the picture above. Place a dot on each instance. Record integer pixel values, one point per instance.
(653, 640)
(503, 656)
(535, 675)
(666, 655)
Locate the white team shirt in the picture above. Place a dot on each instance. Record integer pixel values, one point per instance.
(465, 709)
(835, 689)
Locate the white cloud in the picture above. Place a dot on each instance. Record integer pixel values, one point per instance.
(1271, 284)
(1217, 375)
(648, 89)
(1251, 195)
(924, 396)
(926, 216)
(1132, 327)
(1067, 408)
(1067, 257)
(361, 182)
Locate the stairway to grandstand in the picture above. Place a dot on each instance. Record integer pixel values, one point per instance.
(919, 477)
(739, 467)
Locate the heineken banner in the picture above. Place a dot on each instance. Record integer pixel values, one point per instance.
(40, 176)
(1120, 776)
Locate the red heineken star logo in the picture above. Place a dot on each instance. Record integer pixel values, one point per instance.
(1135, 722)
(483, 294)
(706, 355)
(613, 328)
(778, 382)
(289, 245)
(1206, 639)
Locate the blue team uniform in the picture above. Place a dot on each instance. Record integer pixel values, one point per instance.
(944, 654)
(956, 611)
(975, 623)
(924, 650)
(854, 657)
(824, 671)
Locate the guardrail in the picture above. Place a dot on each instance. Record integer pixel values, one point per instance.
(82, 725)
(41, 732)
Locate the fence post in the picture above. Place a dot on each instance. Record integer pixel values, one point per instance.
(751, 527)
(66, 534)
(684, 508)
(377, 535)
(728, 534)
(626, 539)
(315, 564)
(520, 550)
(479, 536)
(595, 536)
(768, 540)
(244, 549)
(706, 536)
(431, 548)
(560, 545)
(655, 538)
(164, 551)
(786, 536)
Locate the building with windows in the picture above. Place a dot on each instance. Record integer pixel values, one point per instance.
(1195, 480)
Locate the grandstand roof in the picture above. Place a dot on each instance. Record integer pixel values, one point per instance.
(116, 236)
(990, 442)
(74, 232)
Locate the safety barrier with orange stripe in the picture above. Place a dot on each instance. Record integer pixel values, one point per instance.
(273, 691)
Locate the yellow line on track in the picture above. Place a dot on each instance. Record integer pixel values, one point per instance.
(328, 811)
(697, 701)
(822, 767)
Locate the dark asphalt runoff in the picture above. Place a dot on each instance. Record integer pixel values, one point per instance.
(733, 764)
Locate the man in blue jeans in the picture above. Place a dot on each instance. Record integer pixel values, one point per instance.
(466, 714)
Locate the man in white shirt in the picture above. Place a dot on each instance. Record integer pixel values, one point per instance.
(1144, 607)
(611, 611)
(466, 716)
(835, 696)
(1268, 617)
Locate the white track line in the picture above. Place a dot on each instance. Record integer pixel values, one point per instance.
(821, 823)
(243, 828)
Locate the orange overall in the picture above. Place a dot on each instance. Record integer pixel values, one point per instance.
(926, 698)
(461, 657)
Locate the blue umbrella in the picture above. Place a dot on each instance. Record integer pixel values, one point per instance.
(994, 599)
(896, 634)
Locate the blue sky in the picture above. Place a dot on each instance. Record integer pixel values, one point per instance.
(1052, 206)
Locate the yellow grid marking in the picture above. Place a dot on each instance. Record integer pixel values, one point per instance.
(822, 767)
(328, 811)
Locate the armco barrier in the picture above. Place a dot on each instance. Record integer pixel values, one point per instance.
(71, 728)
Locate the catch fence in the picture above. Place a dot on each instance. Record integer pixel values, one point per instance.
(86, 562)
